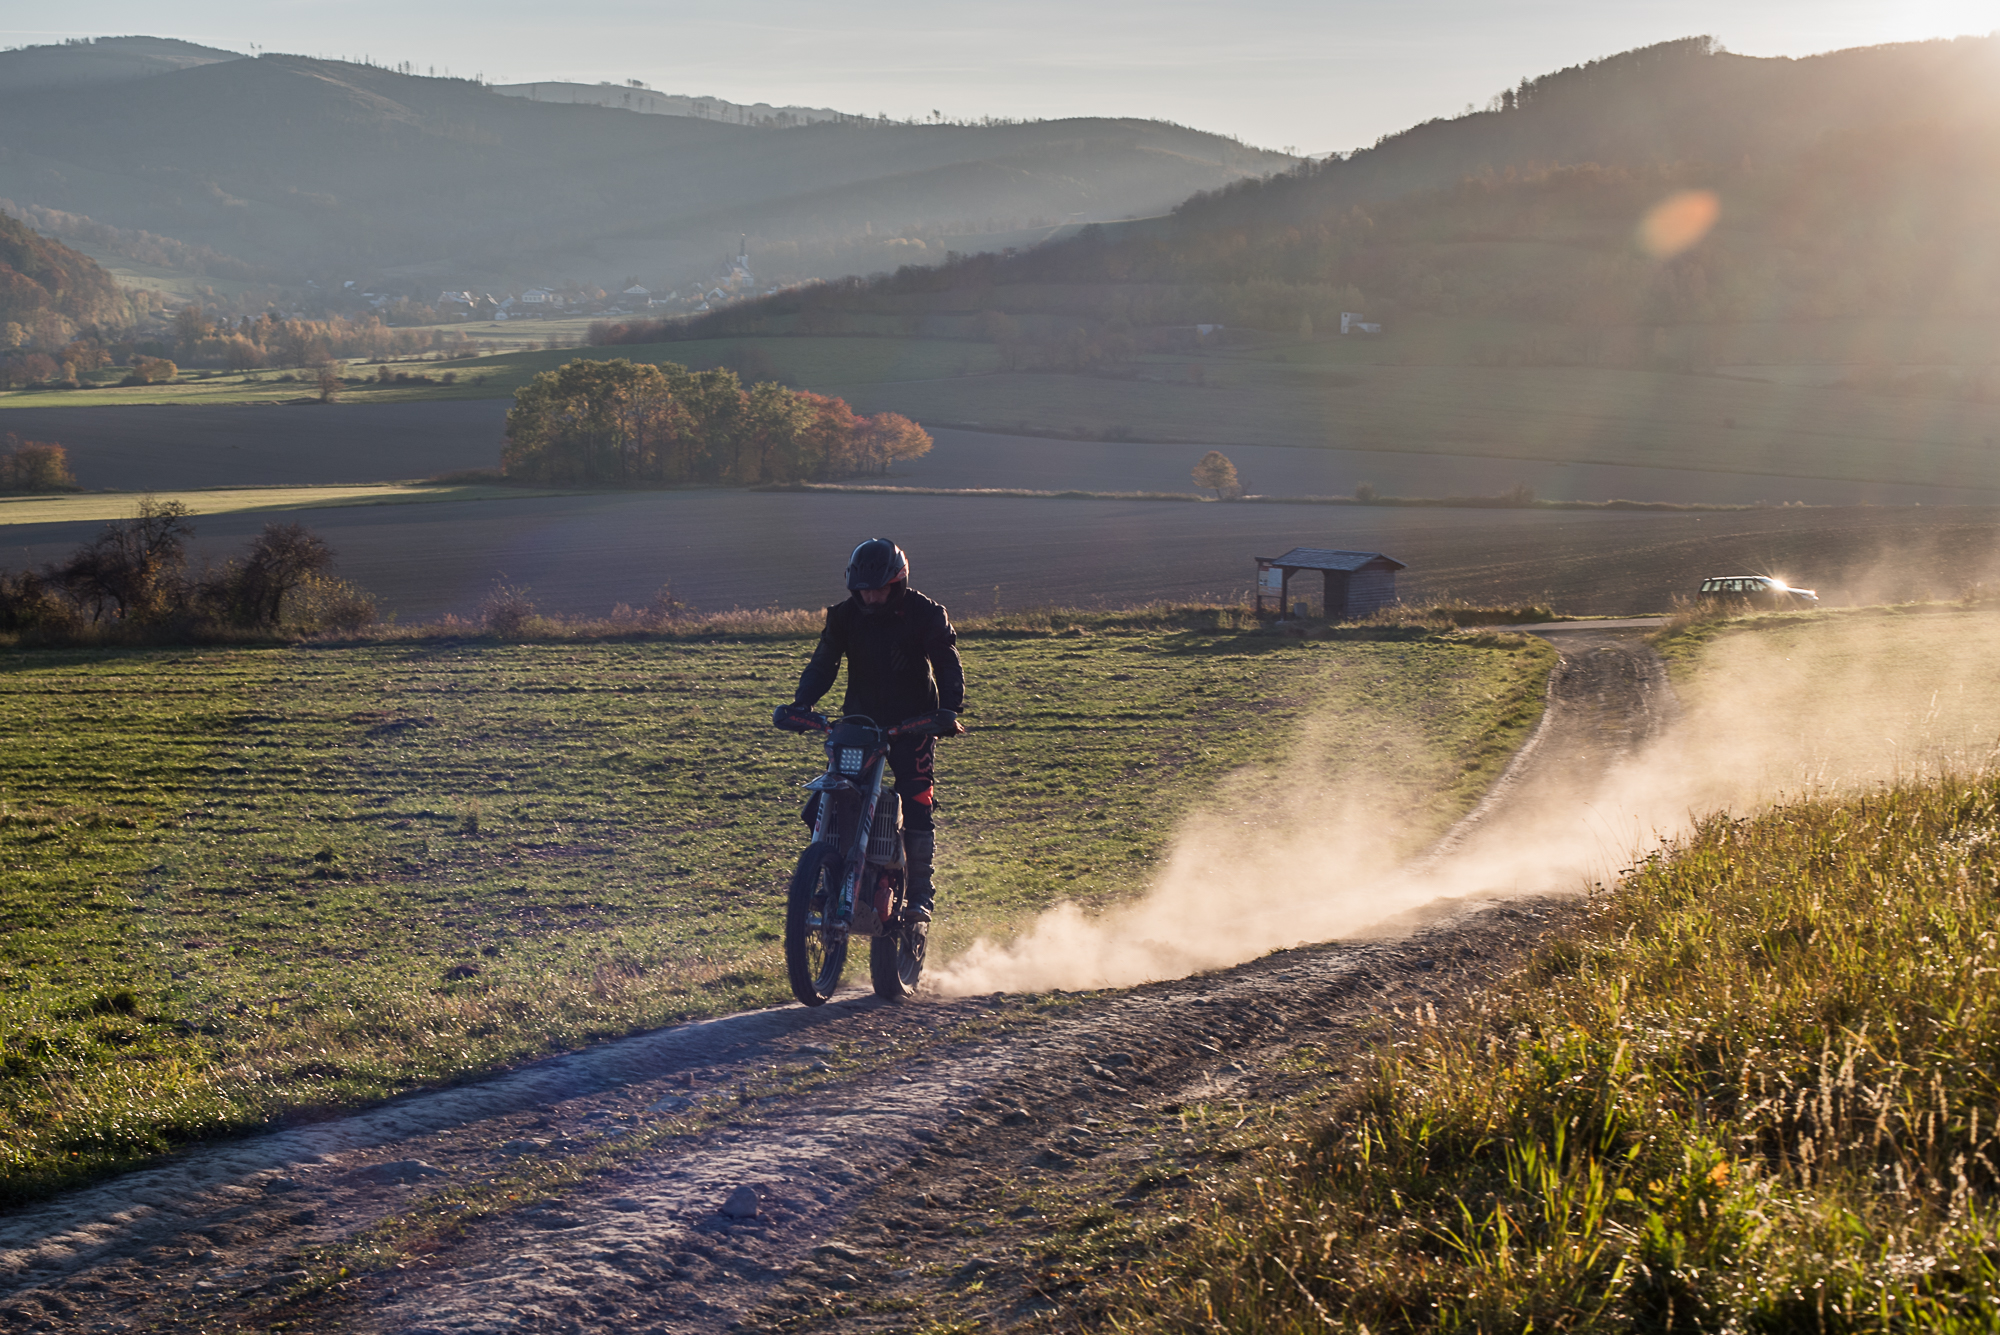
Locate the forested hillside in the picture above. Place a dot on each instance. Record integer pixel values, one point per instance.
(1849, 185)
(40, 279)
(301, 168)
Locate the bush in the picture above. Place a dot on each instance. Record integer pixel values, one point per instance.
(132, 583)
(135, 571)
(151, 371)
(281, 559)
(507, 612)
(30, 602)
(320, 604)
(29, 466)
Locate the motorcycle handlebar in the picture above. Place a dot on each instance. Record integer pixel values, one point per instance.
(797, 718)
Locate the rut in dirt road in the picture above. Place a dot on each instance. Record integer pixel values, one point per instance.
(829, 1115)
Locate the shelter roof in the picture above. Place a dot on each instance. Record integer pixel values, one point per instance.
(1320, 558)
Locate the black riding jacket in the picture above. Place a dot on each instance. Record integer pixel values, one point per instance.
(902, 659)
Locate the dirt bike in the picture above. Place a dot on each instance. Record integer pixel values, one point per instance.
(850, 880)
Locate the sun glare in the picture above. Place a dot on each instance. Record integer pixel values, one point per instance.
(1677, 222)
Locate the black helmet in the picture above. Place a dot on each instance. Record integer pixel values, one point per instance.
(876, 564)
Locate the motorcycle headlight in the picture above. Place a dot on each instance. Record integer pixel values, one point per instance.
(850, 759)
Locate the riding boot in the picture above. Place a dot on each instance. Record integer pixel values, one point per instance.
(918, 848)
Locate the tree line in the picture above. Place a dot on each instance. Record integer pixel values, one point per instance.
(133, 582)
(623, 424)
(33, 355)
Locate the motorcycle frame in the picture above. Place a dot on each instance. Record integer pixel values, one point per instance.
(870, 786)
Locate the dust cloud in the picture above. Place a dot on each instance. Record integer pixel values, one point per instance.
(1810, 710)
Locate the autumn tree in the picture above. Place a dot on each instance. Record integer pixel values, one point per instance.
(28, 466)
(620, 424)
(190, 328)
(589, 422)
(151, 371)
(889, 438)
(1215, 472)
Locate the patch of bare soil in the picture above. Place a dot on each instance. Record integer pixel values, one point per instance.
(856, 1167)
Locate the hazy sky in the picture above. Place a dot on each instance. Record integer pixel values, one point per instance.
(1331, 75)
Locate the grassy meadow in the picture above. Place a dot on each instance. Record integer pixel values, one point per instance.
(246, 885)
(1753, 1091)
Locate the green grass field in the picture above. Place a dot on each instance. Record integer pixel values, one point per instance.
(246, 885)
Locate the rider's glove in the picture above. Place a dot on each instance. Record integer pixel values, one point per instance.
(792, 718)
(944, 723)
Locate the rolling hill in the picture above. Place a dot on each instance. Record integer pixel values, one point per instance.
(104, 60)
(1861, 184)
(310, 168)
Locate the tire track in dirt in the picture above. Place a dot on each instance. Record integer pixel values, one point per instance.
(839, 1118)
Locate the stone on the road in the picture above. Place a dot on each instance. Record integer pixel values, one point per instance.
(742, 1203)
(401, 1170)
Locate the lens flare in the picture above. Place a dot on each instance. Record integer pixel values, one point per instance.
(1677, 222)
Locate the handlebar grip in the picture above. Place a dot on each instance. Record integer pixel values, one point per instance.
(938, 723)
(797, 718)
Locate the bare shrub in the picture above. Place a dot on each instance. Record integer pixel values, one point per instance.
(320, 604)
(507, 612)
(135, 571)
(281, 559)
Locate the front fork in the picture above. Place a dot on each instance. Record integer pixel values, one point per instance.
(857, 861)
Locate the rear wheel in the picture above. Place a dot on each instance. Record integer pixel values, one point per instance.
(896, 960)
(815, 956)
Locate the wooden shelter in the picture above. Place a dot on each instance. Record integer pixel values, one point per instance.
(1356, 583)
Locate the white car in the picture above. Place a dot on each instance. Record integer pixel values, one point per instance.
(1761, 589)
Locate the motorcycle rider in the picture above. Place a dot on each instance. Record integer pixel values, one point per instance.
(902, 661)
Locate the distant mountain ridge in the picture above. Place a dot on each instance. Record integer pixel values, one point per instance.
(1854, 185)
(334, 171)
(636, 96)
(102, 60)
(1686, 101)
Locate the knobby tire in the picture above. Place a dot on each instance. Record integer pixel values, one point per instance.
(812, 964)
(896, 961)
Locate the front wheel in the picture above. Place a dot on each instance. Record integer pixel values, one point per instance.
(896, 960)
(815, 956)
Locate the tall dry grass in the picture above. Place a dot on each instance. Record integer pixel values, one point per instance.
(1757, 1090)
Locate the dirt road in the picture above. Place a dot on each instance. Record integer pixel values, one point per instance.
(905, 1164)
